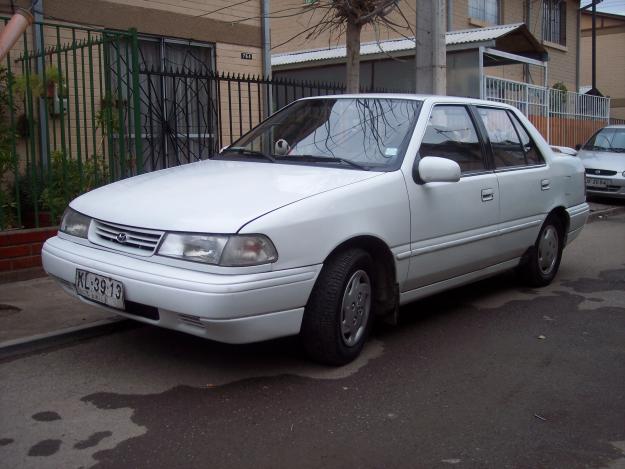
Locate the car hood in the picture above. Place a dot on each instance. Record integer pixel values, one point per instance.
(212, 196)
(603, 160)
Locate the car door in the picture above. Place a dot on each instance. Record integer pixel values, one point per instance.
(524, 179)
(453, 224)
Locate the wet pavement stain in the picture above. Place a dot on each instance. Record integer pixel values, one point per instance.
(608, 280)
(8, 310)
(6, 441)
(45, 448)
(453, 375)
(47, 416)
(93, 440)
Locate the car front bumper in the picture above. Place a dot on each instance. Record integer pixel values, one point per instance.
(615, 187)
(238, 308)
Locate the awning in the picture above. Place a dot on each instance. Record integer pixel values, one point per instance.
(511, 38)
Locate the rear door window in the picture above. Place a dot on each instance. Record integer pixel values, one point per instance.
(507, 149)
(451, 134)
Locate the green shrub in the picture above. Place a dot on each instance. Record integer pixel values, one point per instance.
(69, 179)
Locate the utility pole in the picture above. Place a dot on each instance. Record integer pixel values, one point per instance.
(430, 49)
(594, 91)
(266, 33)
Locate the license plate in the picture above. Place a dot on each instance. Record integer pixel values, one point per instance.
(596, 182)
(100, 289)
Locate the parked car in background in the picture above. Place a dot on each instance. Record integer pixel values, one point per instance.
(603, 156)
(332, 212)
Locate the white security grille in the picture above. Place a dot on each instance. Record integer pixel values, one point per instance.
(563, 117)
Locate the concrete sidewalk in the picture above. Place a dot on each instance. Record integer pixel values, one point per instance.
(40, 306)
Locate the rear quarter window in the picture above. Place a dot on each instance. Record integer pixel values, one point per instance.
(532, 155)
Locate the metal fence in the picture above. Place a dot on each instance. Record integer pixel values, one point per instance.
(188, 115)
(64, 115)
(79, 109)
(563, 117)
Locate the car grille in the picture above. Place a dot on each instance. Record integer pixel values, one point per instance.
(124, 238)
(600, 172)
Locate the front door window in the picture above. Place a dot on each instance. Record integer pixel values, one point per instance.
(451, 134)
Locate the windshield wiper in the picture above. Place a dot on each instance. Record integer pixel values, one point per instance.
(324, 159)
(247, 152)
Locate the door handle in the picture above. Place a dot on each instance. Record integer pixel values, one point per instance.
(487, 195)
(545, 184)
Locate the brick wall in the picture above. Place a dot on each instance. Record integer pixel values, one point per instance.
(229, 60)
(20, 253)
(223, 10)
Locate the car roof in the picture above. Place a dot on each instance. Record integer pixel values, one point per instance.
(614, 126)
(417, 97)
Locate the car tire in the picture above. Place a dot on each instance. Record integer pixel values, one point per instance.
(543, 259)
(339, 313)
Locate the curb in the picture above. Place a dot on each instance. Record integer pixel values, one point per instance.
(40, 342)
(599, 214)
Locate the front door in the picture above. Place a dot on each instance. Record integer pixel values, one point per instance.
(453, 224)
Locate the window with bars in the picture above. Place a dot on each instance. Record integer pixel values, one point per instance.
(177, 98)
(554, 21)
(486, 10)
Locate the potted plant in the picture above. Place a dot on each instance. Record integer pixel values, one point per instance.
(53, 78)
(60, 101)
(33, 82)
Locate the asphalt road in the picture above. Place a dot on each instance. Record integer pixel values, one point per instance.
(491, 375)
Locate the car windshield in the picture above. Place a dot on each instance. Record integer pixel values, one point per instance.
(611, 139)
(356, 133)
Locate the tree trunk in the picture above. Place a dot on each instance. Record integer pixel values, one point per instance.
(353, 57)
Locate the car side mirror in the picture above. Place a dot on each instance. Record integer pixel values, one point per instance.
(578, 147)
(435, 169)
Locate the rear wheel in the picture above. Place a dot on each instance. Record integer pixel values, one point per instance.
(338, 315)
(544, 257)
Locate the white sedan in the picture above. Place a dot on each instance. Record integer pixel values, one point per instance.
(603, 156)
(332, 212)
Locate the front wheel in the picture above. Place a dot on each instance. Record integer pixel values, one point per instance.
(544, 257)
(338, 315)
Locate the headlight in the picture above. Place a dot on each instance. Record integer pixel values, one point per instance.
(230, 251)
(624, 174)
(74, 223)
(243, 250)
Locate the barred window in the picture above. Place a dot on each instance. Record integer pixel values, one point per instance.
(486, 10)
(554, 21)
